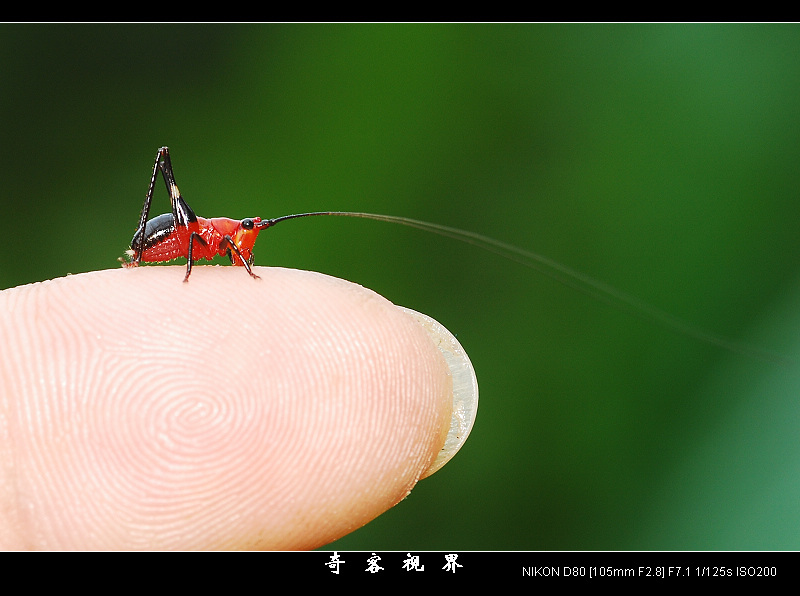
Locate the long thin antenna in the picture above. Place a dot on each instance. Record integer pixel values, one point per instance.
(564, 275)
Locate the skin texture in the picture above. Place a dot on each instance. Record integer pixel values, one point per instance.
(139, 412)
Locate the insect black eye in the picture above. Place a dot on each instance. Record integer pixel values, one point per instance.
(247, 224)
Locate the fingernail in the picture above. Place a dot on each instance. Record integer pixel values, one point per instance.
(465, 388)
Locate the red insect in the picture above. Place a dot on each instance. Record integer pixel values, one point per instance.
(183, 234)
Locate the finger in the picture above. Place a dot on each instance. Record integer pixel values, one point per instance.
(141, 412)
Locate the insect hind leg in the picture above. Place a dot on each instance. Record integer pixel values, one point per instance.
(148, 200)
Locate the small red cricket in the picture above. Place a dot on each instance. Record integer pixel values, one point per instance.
(184, 234)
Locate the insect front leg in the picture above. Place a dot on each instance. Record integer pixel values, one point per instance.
(230, 245)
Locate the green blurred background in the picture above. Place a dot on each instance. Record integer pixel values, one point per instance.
(661, 159)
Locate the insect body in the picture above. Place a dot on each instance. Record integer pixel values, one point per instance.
(183, 234)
